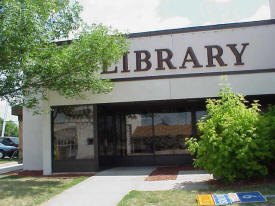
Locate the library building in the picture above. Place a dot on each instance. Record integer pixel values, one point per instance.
(160, 88)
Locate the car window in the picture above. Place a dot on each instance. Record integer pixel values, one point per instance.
(7, 141)
(14, 139)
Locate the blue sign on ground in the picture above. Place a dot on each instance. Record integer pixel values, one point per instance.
(251, 197)
(221, 199)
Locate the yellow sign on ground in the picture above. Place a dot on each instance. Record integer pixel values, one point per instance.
(205, 200)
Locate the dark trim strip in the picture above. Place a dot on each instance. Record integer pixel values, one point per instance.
(202, 28)
(252, 71)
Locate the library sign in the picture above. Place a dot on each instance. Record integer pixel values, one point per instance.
(165, 57)
(193, 54)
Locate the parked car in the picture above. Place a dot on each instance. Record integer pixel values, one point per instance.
(8, 151)
(9, 141)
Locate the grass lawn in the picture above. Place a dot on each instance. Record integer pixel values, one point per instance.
(29, 191)
(186, 197)
(7, 160)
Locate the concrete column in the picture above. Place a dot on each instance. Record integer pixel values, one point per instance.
(32, 141)
(272, 8)
(46, 135)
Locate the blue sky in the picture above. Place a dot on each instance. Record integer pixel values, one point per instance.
(148, 15)
(202, 11)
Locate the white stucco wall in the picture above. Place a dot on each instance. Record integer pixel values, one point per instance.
(177, 88)
(32, 143)
(258, 55)
(46, 140)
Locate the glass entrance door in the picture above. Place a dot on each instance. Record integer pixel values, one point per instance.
(112, 139)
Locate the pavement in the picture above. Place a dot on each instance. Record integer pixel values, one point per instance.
(9, 167)
(108, 187)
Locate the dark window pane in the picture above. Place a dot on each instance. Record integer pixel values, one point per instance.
(170, 130)
(139, 134)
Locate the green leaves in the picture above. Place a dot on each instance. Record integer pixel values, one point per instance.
(32, 62)
(266, 135)
(234, 141)
(11, 129)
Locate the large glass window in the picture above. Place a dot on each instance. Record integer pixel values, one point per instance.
(139, 134)
(73, 132)
(145, 131)
(170, 131)
(158, 133)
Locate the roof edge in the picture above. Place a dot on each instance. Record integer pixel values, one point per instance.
(192, 29)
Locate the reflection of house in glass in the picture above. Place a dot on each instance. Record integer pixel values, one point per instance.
(158, 133)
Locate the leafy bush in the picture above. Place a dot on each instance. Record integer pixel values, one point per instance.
(266, 130)
(229, 146)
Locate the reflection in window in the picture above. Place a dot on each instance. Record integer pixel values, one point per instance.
(73, 114)
(73, 132)
(158, 133)
(200, 114)
(139, 134)
(170, 130)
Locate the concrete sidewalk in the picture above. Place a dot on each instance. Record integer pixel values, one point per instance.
(108, 187)
(9, 167)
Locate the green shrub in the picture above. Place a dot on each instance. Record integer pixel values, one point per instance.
(229, 146)
(266, 130)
